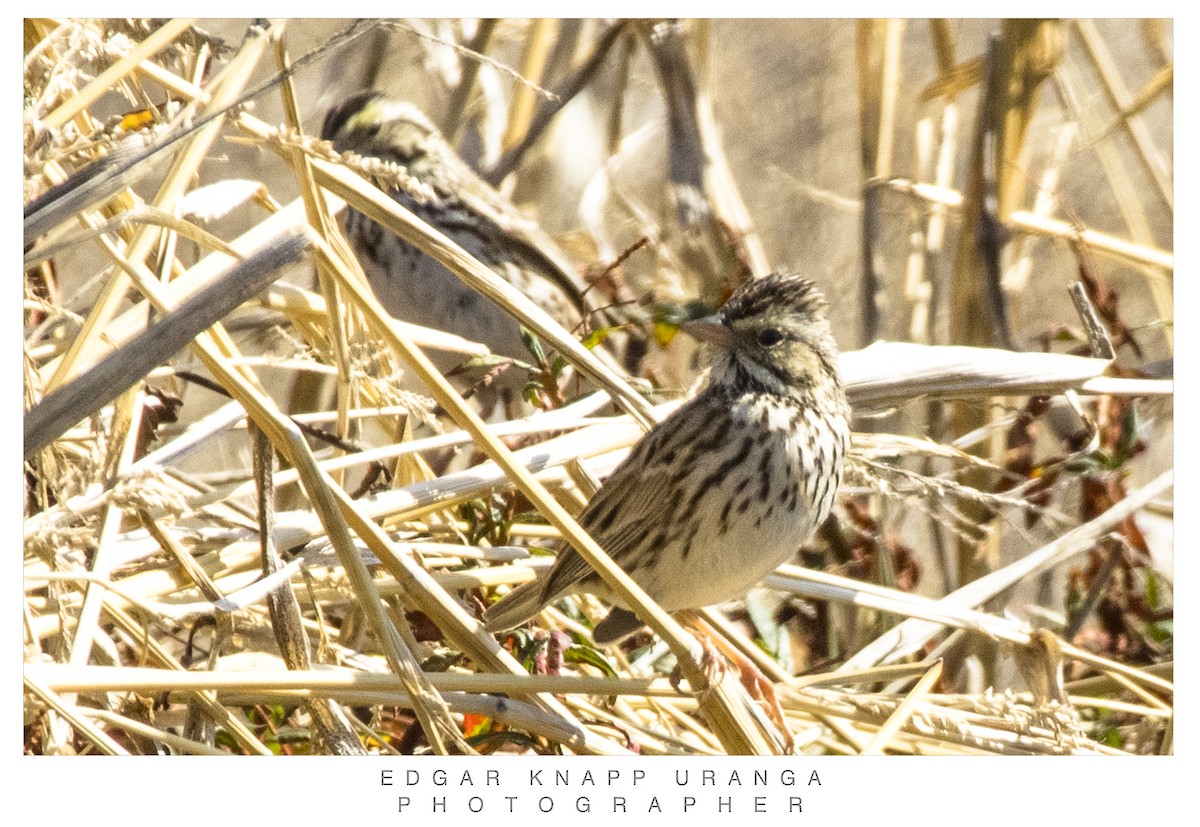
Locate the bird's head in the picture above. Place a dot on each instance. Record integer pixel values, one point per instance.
(772, 335)
(370, 123)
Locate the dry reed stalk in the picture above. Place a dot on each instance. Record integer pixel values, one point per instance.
(903, 712)
(1016, 276)
(288, 442)
(66, 708)
(185, 746)
(1132, 210)
(1014, 66)
(715, 241)
(186, 164)
(940, 720)
(912, 634)
(150, 681)
(83, 98)
(533, 64)
(461, 95)
(728, 204)
(878, 61)
(1101, 684)
(206, 700)
(1027, 222)
(1121, 102)
(1162, 82)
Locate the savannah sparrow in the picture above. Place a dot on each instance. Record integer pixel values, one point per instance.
(732, 483)
(412, 286)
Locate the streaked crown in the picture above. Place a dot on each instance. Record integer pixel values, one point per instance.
(780, 294)
(372, 124)
(779, 342)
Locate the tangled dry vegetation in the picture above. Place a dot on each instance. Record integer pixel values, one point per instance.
(258, 521)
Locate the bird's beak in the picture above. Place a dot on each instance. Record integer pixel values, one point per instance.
(709, 329)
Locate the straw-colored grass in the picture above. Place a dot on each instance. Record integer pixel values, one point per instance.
(178, 594)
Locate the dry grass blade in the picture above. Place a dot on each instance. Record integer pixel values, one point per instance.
(177, 179)
(898, 718)
(79, 102)
(184, 746)
(1029, 222)
(552, 105)
(910, 635)
(1133, 211)
(113, 375)
(890, 372)
(52, 699)
(348, 687)
(1122, 102)
(878, 62)
(331, 728)
(844, 590)
(139, 679)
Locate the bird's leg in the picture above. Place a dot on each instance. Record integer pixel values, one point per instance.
(711, 662)
(760, 687)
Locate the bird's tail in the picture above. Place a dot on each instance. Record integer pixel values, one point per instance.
(515, 607)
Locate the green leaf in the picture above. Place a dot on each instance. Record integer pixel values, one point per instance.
(668, 317)
(535, 646)
(292, 735)
(441, 661)
(1087, 464)
(559, 365)
(503, 737)
(588, 655)
(532, 393)
(1152, 596)
(223, 739)
(1161, 631)
(534, 345)
(599, 336)
(1130, 428)
(664, 333)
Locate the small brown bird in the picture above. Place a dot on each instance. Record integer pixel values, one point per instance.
(414, 287)
(730, 485)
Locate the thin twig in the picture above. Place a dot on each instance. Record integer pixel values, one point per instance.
(1102, 347)
(554, 103)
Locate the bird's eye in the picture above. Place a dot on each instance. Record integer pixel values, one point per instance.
(769, 337)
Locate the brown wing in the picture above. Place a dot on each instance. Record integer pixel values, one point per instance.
(503, 224)
(642, 498)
